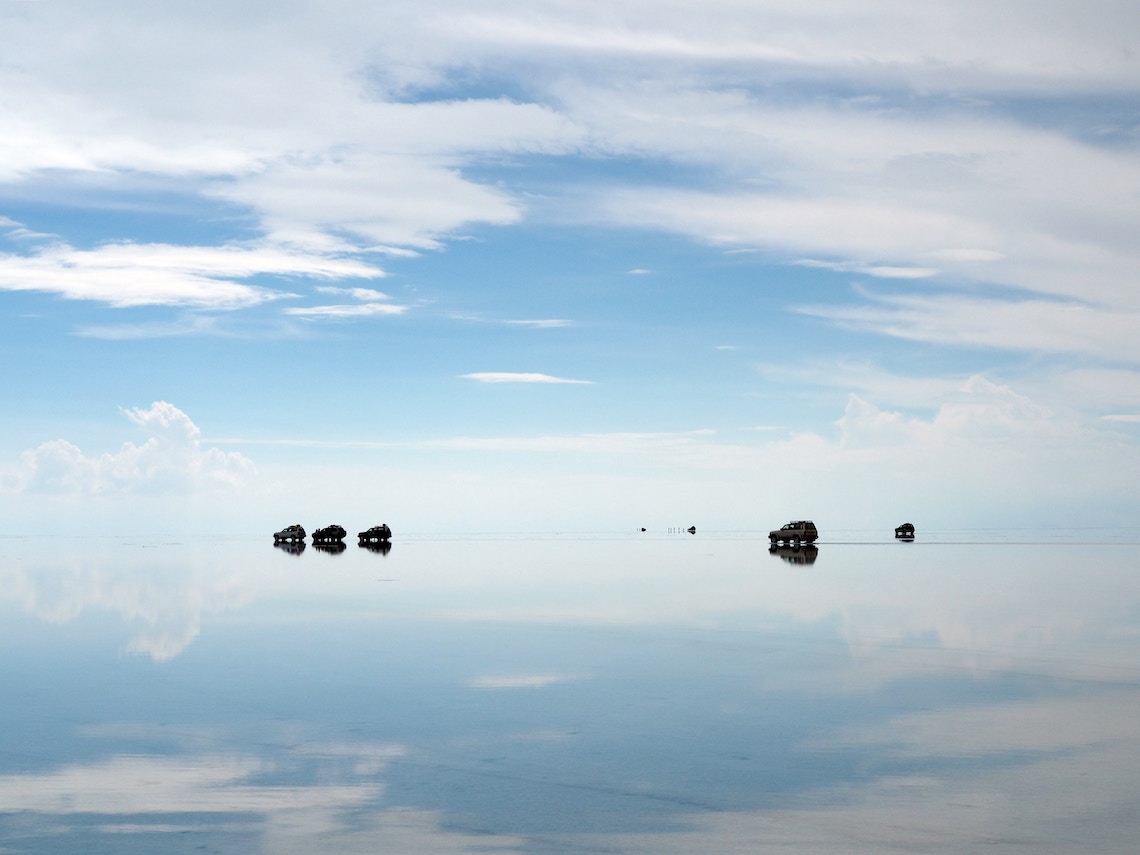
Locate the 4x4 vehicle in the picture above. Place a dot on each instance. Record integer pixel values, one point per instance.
(797, 531)
(329, 534)
(377, 532)
(293, 532)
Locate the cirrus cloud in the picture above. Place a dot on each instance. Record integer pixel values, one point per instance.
(132, 274)
(521, 377)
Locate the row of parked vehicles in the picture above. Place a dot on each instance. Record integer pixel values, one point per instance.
(795, 542)
(794, 533)
(804, 531)
(331, 534)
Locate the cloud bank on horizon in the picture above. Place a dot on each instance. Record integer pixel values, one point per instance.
(171, 460)
(838, 218)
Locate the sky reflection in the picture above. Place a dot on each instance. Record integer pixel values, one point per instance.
(632, 695)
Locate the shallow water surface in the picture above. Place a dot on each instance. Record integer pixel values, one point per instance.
(655, 692)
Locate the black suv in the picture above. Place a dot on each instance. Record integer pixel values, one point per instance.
(377, 532)
(329, 534)
(797, 531)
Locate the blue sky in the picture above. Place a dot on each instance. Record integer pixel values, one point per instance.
(583, 266)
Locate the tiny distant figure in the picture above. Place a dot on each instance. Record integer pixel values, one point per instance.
(643, 528)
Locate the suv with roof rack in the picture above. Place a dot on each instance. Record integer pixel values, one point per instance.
(797, 531)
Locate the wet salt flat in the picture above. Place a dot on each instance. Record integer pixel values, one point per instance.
(649, 692)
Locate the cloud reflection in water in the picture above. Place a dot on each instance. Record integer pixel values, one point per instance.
(650, 696)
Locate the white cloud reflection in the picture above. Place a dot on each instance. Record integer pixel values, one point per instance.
(868, 624)
(521, 681)
(162, 604)
(157, 785)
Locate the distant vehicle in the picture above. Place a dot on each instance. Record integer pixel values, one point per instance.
(293, 532)
(905, 532)
(377, 532)
(329, 534)
(797, 531)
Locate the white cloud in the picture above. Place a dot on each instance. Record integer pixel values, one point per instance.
(164, 274)
(543, 324)
(521, 377)
(172, 460)
(875, 140)
(879, 271)
(372, 201)
(1045, 326)
(360, 310)
(369, 304)
(191, 324)
(363, 294)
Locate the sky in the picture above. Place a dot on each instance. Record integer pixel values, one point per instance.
(568, 266)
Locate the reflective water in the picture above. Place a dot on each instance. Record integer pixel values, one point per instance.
(655, 692)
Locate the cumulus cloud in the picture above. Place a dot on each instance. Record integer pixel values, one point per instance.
(172, 460)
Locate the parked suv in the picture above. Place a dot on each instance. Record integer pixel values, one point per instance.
(329, 534)
(798, 531)
(291, 534)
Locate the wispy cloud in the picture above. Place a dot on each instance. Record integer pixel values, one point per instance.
(190, 325)
(879, 271)
(370, 304)
(361, 310)
(365, 295)
(1044, 326)
(542, 324)
(517, 377)
(131, 274)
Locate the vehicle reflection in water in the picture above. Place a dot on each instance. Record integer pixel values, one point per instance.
(334, 547)
(805, 554)
(381, 546)
(293, 547)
